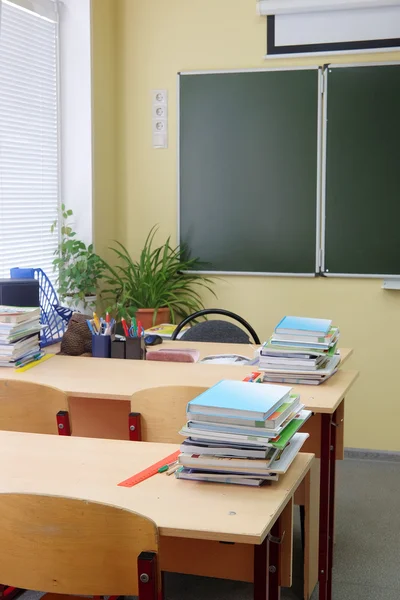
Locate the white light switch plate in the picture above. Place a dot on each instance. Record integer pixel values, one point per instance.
(160, 118)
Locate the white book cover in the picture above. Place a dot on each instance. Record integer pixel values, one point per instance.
(332, 365)
(280, 465)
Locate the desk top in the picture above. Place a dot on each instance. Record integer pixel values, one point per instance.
(118, 379)
(209, 348)
(90, 469)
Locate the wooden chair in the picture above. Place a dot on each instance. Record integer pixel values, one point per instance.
(69, 546)
(160, 412)
(33, 408)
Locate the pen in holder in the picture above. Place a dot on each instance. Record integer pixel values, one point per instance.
(135, 348)
(101, 346)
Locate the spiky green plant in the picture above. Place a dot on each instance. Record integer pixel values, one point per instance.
(161, 277)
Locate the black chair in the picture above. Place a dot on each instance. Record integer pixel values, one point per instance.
(216, 330)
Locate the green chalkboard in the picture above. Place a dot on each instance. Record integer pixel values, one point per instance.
(363, 170)
(248, 169)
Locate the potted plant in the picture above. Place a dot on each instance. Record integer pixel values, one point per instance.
(156, 288)
(79, 268)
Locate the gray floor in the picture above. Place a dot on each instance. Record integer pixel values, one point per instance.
(367, 550)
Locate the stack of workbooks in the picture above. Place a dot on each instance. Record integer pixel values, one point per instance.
(301, 350)
(19, 340)
(243, 433)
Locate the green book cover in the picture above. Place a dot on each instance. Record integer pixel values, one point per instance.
(290, 429)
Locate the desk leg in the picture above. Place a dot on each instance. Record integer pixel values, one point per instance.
(267, 566)
(261, 560)
(327, 505)
(332, 475)
(275, 539)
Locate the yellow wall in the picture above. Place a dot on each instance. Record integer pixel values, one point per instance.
(155, 40)
(104, 123)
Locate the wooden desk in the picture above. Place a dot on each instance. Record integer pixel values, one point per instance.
(90, 469)
(120, 379)
(100, 381)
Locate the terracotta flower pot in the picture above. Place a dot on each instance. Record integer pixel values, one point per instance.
(145, 316)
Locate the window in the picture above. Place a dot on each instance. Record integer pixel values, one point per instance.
(29, 134)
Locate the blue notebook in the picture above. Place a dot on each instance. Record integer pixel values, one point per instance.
(317, 327)
(241, 399)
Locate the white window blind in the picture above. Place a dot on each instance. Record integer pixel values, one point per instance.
(29, 148)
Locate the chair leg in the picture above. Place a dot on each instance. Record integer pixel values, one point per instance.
(135, 430)
(148, 577)
(63, 423)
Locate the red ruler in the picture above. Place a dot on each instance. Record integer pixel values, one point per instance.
(150, 471)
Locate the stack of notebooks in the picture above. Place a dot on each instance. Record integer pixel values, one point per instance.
(301, 350)
(19, 339)
(243, 433)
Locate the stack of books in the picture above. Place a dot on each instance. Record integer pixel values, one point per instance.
(243, 433)
(19, 339)
(301, 350)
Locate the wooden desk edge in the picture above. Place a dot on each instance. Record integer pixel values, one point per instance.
(129, 398)
(244, 539)
(331, 410)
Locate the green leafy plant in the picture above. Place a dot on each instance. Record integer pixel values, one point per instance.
(79, 268)
(159, 278)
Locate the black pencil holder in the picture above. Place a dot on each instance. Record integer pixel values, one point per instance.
(135, 348)
(118, 349)
(101, 346)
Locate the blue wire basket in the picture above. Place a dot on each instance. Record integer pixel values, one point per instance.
(53, 316)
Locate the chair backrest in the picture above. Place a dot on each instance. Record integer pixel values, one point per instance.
(30, 407)
(226, 334)
(216, 331)
(163, 411)
(71, 546)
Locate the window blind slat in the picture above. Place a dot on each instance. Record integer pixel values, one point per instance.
(44, 8)
(29, 161)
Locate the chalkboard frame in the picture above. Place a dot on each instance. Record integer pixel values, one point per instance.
(318, 196)
(323, 271)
